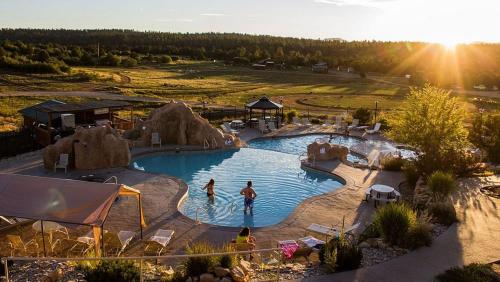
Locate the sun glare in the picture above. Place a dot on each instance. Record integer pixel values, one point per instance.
(451, 45)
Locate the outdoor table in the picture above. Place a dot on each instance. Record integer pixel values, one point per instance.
(382, 192)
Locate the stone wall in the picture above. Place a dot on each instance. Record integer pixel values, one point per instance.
(90, 148)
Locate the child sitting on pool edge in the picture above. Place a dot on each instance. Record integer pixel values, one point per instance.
(250, 195)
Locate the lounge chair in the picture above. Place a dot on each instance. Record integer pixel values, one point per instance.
(155, 139)
(62, 163)
(354, 125)
(70, 247)
(375, 129)
(338, 123)
(17, 244)
(271, 126)
(296, 121)
(159, 241)
(311, 241)
(262, 126)
(327, 123)
(115, 243)
(330, 231)
(228, 128)
(305, 121)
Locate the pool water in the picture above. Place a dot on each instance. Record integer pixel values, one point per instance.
(280, 183)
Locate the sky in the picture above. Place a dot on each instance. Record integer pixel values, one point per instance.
(442, 21)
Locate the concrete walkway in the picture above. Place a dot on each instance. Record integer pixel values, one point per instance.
(474, 239)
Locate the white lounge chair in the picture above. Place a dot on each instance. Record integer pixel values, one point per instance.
(354, 124)
(305, 121)
(229, 129)
(327, 123)
(338, 123)
(115, 243)
(62, 163)
(155, 139)
(296, 121)
(330, 231)
(375, 129)
(311, 241)
(262, 126)
(161, 238)
(271, 126)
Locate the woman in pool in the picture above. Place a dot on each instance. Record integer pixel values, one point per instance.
(250, 195)
(210, 189)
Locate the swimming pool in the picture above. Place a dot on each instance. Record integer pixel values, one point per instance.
(280, 183)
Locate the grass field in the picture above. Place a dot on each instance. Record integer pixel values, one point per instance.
(224, 86)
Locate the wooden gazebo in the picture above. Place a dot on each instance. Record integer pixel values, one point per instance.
(265, 106)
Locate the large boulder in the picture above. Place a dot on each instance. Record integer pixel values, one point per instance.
(326, 151)
(177, 124)
(90, 148)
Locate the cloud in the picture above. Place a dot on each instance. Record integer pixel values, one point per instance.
(212, 15)
(174, 20)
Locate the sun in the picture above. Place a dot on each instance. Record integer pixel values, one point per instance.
(450, 44)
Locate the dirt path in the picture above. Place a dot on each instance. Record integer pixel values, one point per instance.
(86, 94)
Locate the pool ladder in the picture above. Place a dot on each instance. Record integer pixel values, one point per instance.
(197, 221)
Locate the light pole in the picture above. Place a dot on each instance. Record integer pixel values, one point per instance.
(376, 107)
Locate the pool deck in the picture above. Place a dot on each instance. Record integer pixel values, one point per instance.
(161, 195)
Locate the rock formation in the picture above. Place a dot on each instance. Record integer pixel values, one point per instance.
(327, 151)
(176, 123)
(90, 148)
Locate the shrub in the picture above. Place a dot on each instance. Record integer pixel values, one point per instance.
(363, 115)
(393, 164)
(393, 222)
(474, 272)
(315, 121)
(110, 60)
(196, 266)
(129, 62)
(290, 115)
(443, 213)
(419, 236)
(228, 261)
(112, 271)
(349, 256)
(329, 255)
(411, 174)
(371, 231)
(165, 59)
(441, 183)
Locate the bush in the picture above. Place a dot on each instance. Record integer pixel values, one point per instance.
(110, 60)
(411, 174)
(196, 266)
(441, 183)
(290, 115)
(112, 271)
(474, 272)
(328, 255)
(371, 231)
(443, 213)
(349, 257)
(419, 236)
(315, 121)
(165, 59)
(363, 115)
(129, 62)
(393, 222)
(393, 164)
(228, 261)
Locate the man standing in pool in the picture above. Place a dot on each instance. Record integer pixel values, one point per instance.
(250, 195)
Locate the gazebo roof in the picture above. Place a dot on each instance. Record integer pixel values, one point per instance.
(264, 104)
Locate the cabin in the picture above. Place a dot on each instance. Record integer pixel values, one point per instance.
(320, 67)
(50, 120)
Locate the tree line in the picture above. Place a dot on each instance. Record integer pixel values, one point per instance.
(468, 65)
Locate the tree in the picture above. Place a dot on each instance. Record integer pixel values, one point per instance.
(111, 60)
(129, 62)
(432, 121)
(363, 115)
(485, 134)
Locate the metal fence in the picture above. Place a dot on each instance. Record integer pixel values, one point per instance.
(141, 259)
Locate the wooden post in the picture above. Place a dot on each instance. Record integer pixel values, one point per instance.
(43, 236)
(140, 214)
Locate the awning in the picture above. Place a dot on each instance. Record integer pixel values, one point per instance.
(61, 200)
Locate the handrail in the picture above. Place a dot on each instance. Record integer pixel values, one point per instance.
(110, 178)
(206, 144)
(196, 216)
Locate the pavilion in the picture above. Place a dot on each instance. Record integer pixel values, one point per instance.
(264, 105)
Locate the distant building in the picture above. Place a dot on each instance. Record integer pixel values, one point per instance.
(320, 67)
